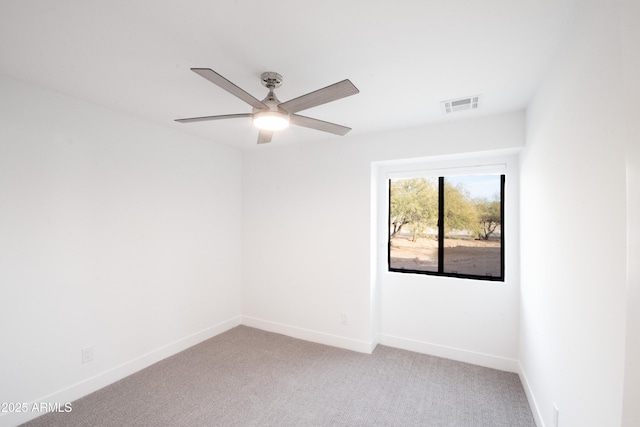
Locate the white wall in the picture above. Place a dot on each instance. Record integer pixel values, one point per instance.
(114, 233)
(630, 36)
(469, 320)
(307, 240)
(573, 229)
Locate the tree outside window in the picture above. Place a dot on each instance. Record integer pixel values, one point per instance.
(447, 225)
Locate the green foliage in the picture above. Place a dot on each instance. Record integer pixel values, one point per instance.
(489, 217)
(414, 203)
(459, 210)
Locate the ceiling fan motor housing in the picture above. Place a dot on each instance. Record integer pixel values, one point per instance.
(271, 101)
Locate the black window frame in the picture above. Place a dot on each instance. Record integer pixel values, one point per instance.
(441, 236)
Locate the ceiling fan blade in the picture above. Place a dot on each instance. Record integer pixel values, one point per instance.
(308, 122)
(207, 118)
(321, 96)
(225, 84)
(264, 136)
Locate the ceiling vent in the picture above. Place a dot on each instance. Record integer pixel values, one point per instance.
(460, 104)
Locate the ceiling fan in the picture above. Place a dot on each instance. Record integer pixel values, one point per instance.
(270, 114)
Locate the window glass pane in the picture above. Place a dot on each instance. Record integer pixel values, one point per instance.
(472, 225)
(413, 224)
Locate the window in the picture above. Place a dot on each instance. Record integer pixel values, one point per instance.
(448, 225)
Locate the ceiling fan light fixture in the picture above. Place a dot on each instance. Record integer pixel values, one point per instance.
(271, 120)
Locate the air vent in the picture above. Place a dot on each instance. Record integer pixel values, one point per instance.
(460, 104)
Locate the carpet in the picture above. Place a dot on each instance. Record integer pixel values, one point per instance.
(249, 377)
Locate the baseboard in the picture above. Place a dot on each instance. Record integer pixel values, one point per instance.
(535, 408)
(461, 355)
(309, 335)
(103, 379)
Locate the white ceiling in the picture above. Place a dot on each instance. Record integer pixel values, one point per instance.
(405, 56)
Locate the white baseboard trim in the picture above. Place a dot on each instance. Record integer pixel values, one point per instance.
(461, 355)
(103, 379)
(535, 408)
(309, 335)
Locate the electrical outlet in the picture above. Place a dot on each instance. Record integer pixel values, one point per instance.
(556, 415)
(87, 354)
(344, 319)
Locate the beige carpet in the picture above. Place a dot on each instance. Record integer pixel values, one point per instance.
(248, 377)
